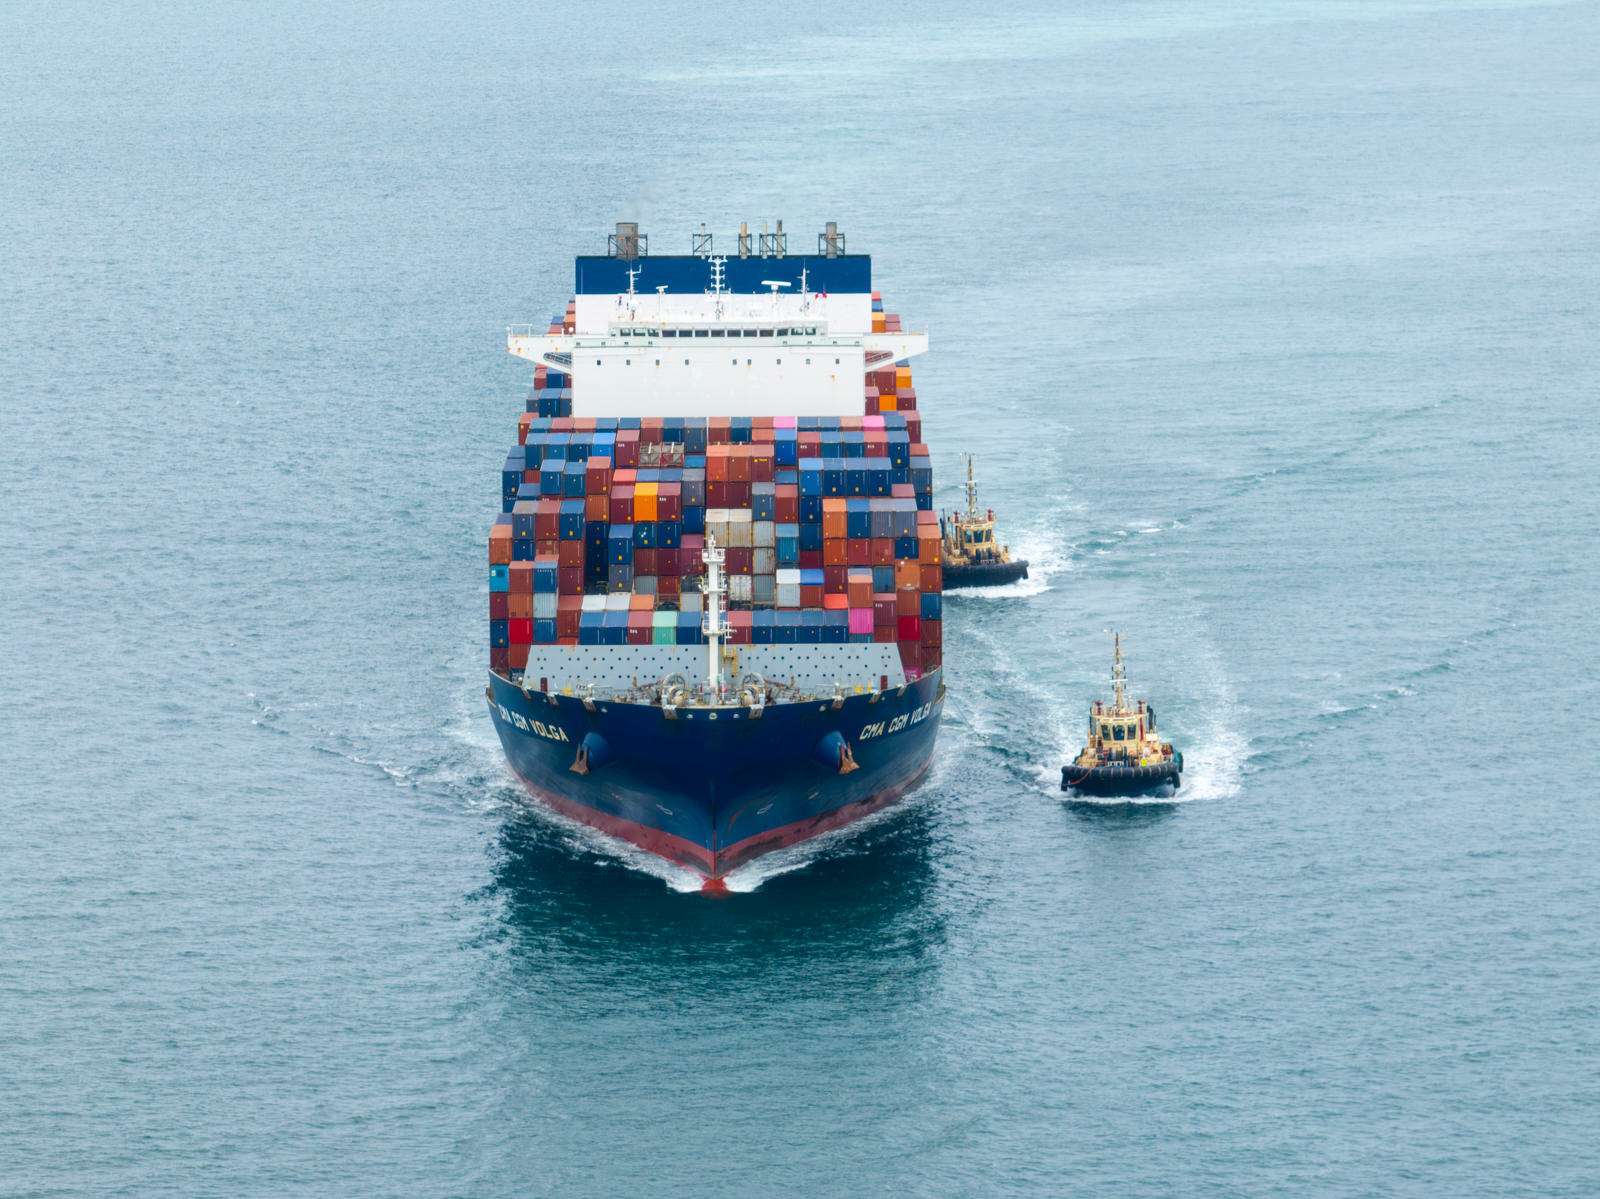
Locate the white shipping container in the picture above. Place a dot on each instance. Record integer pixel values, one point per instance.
(788, 576)
(739, 588)
(762, 533)
(594, 603)
(544, 605)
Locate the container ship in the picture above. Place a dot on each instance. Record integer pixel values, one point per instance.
(715, 579)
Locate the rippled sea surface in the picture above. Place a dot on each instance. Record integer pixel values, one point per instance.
(1274, 328)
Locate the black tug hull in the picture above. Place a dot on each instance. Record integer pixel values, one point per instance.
(1122, 781)
(983, 574)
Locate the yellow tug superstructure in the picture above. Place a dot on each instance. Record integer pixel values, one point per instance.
(1124, 754)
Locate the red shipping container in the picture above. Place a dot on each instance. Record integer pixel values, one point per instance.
(624, 477)
(522, 578)
(811, 560)
(716, 465)
(860, 551)
(519, 606)
(809, 445)
(761, 466)
(811, 595)
(883, 632)
(836, 553)
(597, 476)
(669, 502)
(499, 605)
(597, 508)
(787, 507)
(500, 661)
(739, 458)
(570, 554)
(500, 545)
(740, 560)
(517, 657)
(667, 585)
(931, 576)
(835, 578)
(669, 565)
(638, 634)
(738, 495)
(883, 551)
(569, 580)
(620, 509)
(520, 631)
(834, 601)
(932, 634)
(547, 548)
(547, 520)
(910, 628)
(568, 621)
(716, 494)
(645, 561)
(911, 655)
(907, 603)
(627, 452)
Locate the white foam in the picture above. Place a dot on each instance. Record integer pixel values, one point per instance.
(829, 844)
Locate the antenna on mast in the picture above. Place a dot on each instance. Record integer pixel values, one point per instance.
(1119, 680)
(972, 492)
(711, 623)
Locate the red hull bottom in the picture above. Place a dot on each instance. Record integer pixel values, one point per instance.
(698, 857)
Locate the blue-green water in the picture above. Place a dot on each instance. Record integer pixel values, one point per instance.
(1288, 312)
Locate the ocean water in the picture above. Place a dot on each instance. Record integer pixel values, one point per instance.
(1274, 328)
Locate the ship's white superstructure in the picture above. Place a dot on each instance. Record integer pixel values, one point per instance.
(717, 351)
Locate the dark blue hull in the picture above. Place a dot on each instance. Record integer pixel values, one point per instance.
(714, 790)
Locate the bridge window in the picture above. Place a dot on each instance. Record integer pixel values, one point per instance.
(763, 332)
(702, 333)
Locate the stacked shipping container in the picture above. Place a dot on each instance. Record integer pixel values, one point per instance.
(827, 523)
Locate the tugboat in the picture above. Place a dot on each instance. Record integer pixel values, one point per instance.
(972, 556)
(1124, 756)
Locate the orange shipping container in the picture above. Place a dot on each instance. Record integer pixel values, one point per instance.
(644, 502)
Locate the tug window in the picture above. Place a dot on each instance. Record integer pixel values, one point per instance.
(1117, 732)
